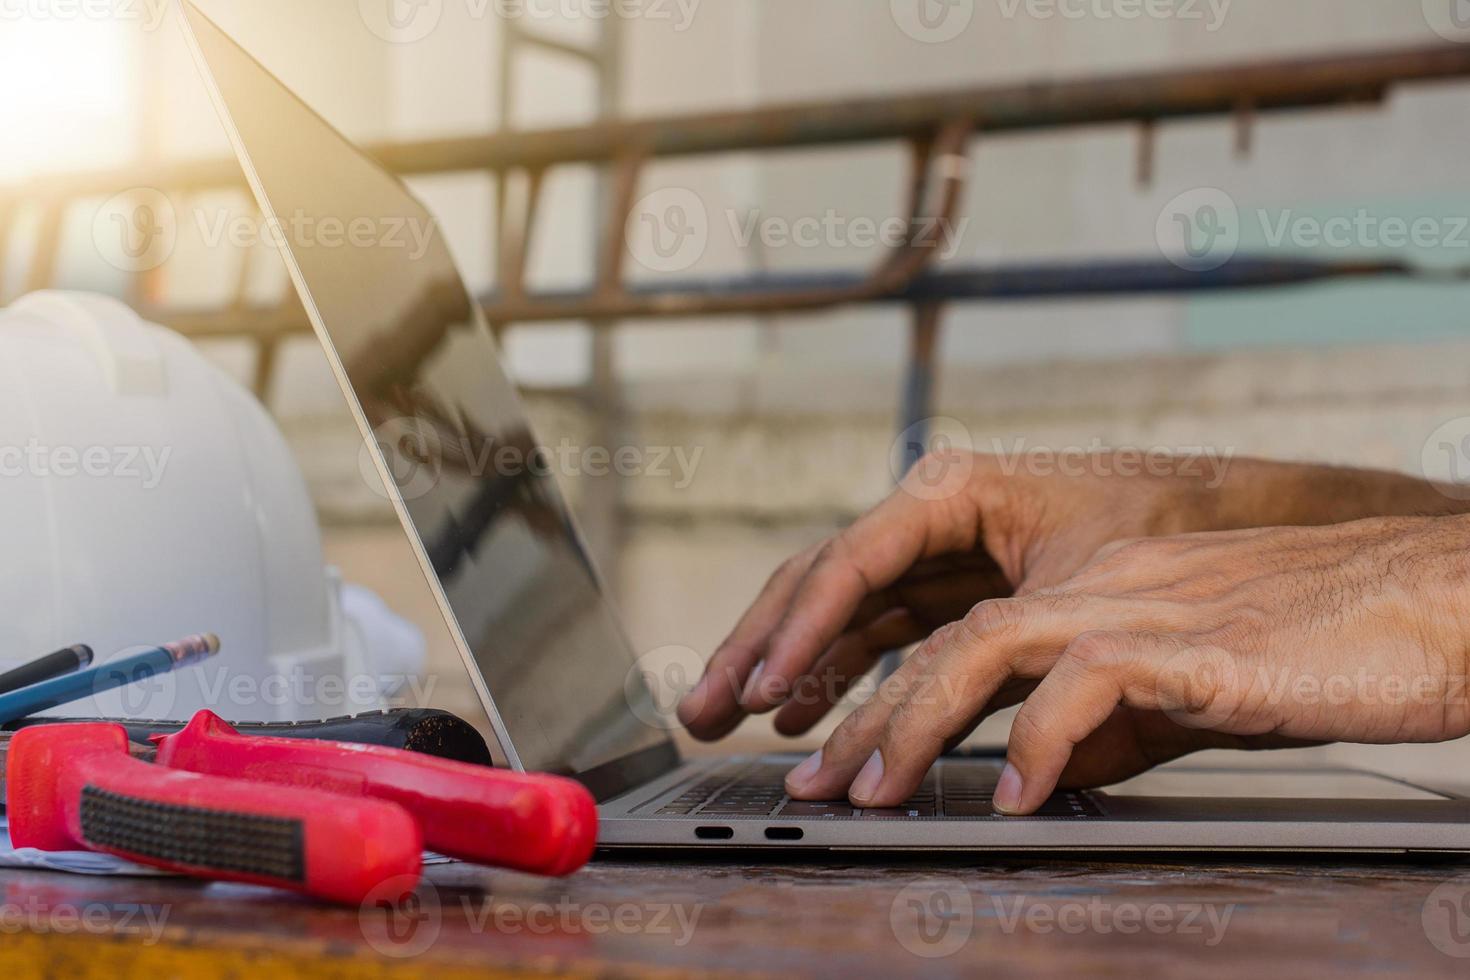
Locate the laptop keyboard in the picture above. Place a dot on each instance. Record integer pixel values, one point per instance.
(756, 789)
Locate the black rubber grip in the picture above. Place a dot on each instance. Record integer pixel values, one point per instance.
(427, 730)
(194, 837)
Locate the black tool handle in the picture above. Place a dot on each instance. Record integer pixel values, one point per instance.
(427, 730)
(45, 668)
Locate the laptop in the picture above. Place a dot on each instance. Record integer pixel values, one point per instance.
(530, 614)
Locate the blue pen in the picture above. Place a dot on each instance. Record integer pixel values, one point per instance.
(116, 673)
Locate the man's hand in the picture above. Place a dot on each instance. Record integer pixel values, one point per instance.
(961, 530)
(1159, 647)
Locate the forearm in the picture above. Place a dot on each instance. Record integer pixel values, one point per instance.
(1261, 493)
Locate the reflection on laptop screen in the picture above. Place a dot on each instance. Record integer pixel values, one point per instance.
(423, 366)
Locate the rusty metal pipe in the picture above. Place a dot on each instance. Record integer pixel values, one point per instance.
(1269, 86)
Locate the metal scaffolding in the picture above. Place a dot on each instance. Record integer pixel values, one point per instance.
(939, 128)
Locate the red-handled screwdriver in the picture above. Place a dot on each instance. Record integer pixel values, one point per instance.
(538, 823)
(75, 787)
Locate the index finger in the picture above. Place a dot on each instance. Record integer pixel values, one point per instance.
(864, 559)
(712, 707)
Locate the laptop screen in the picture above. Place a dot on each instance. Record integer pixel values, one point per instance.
(478, 493)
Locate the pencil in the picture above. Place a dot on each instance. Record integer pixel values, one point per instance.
(44, 668)
(114, 673)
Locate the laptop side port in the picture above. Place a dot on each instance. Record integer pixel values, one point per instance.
(714, 833)
(783, 833)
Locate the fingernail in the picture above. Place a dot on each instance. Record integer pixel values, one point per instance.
(866, 783)
(798, 778)
(752, 684)
(1007, 797)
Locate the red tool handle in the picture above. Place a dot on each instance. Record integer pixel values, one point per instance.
(537, 823)
(75, 787)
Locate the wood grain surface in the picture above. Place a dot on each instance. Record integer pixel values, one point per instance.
(966, 916)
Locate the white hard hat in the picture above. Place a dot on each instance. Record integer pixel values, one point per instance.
(145, 496)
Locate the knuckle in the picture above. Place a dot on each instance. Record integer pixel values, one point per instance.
(791, 568)
(995, 617)
(934, 643)
(844, 736)
(1027, 730)
(902, 725)
(1093, 650)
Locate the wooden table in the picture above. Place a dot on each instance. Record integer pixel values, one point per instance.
(979, 915)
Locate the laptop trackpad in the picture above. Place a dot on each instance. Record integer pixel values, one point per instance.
(1266, 784)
